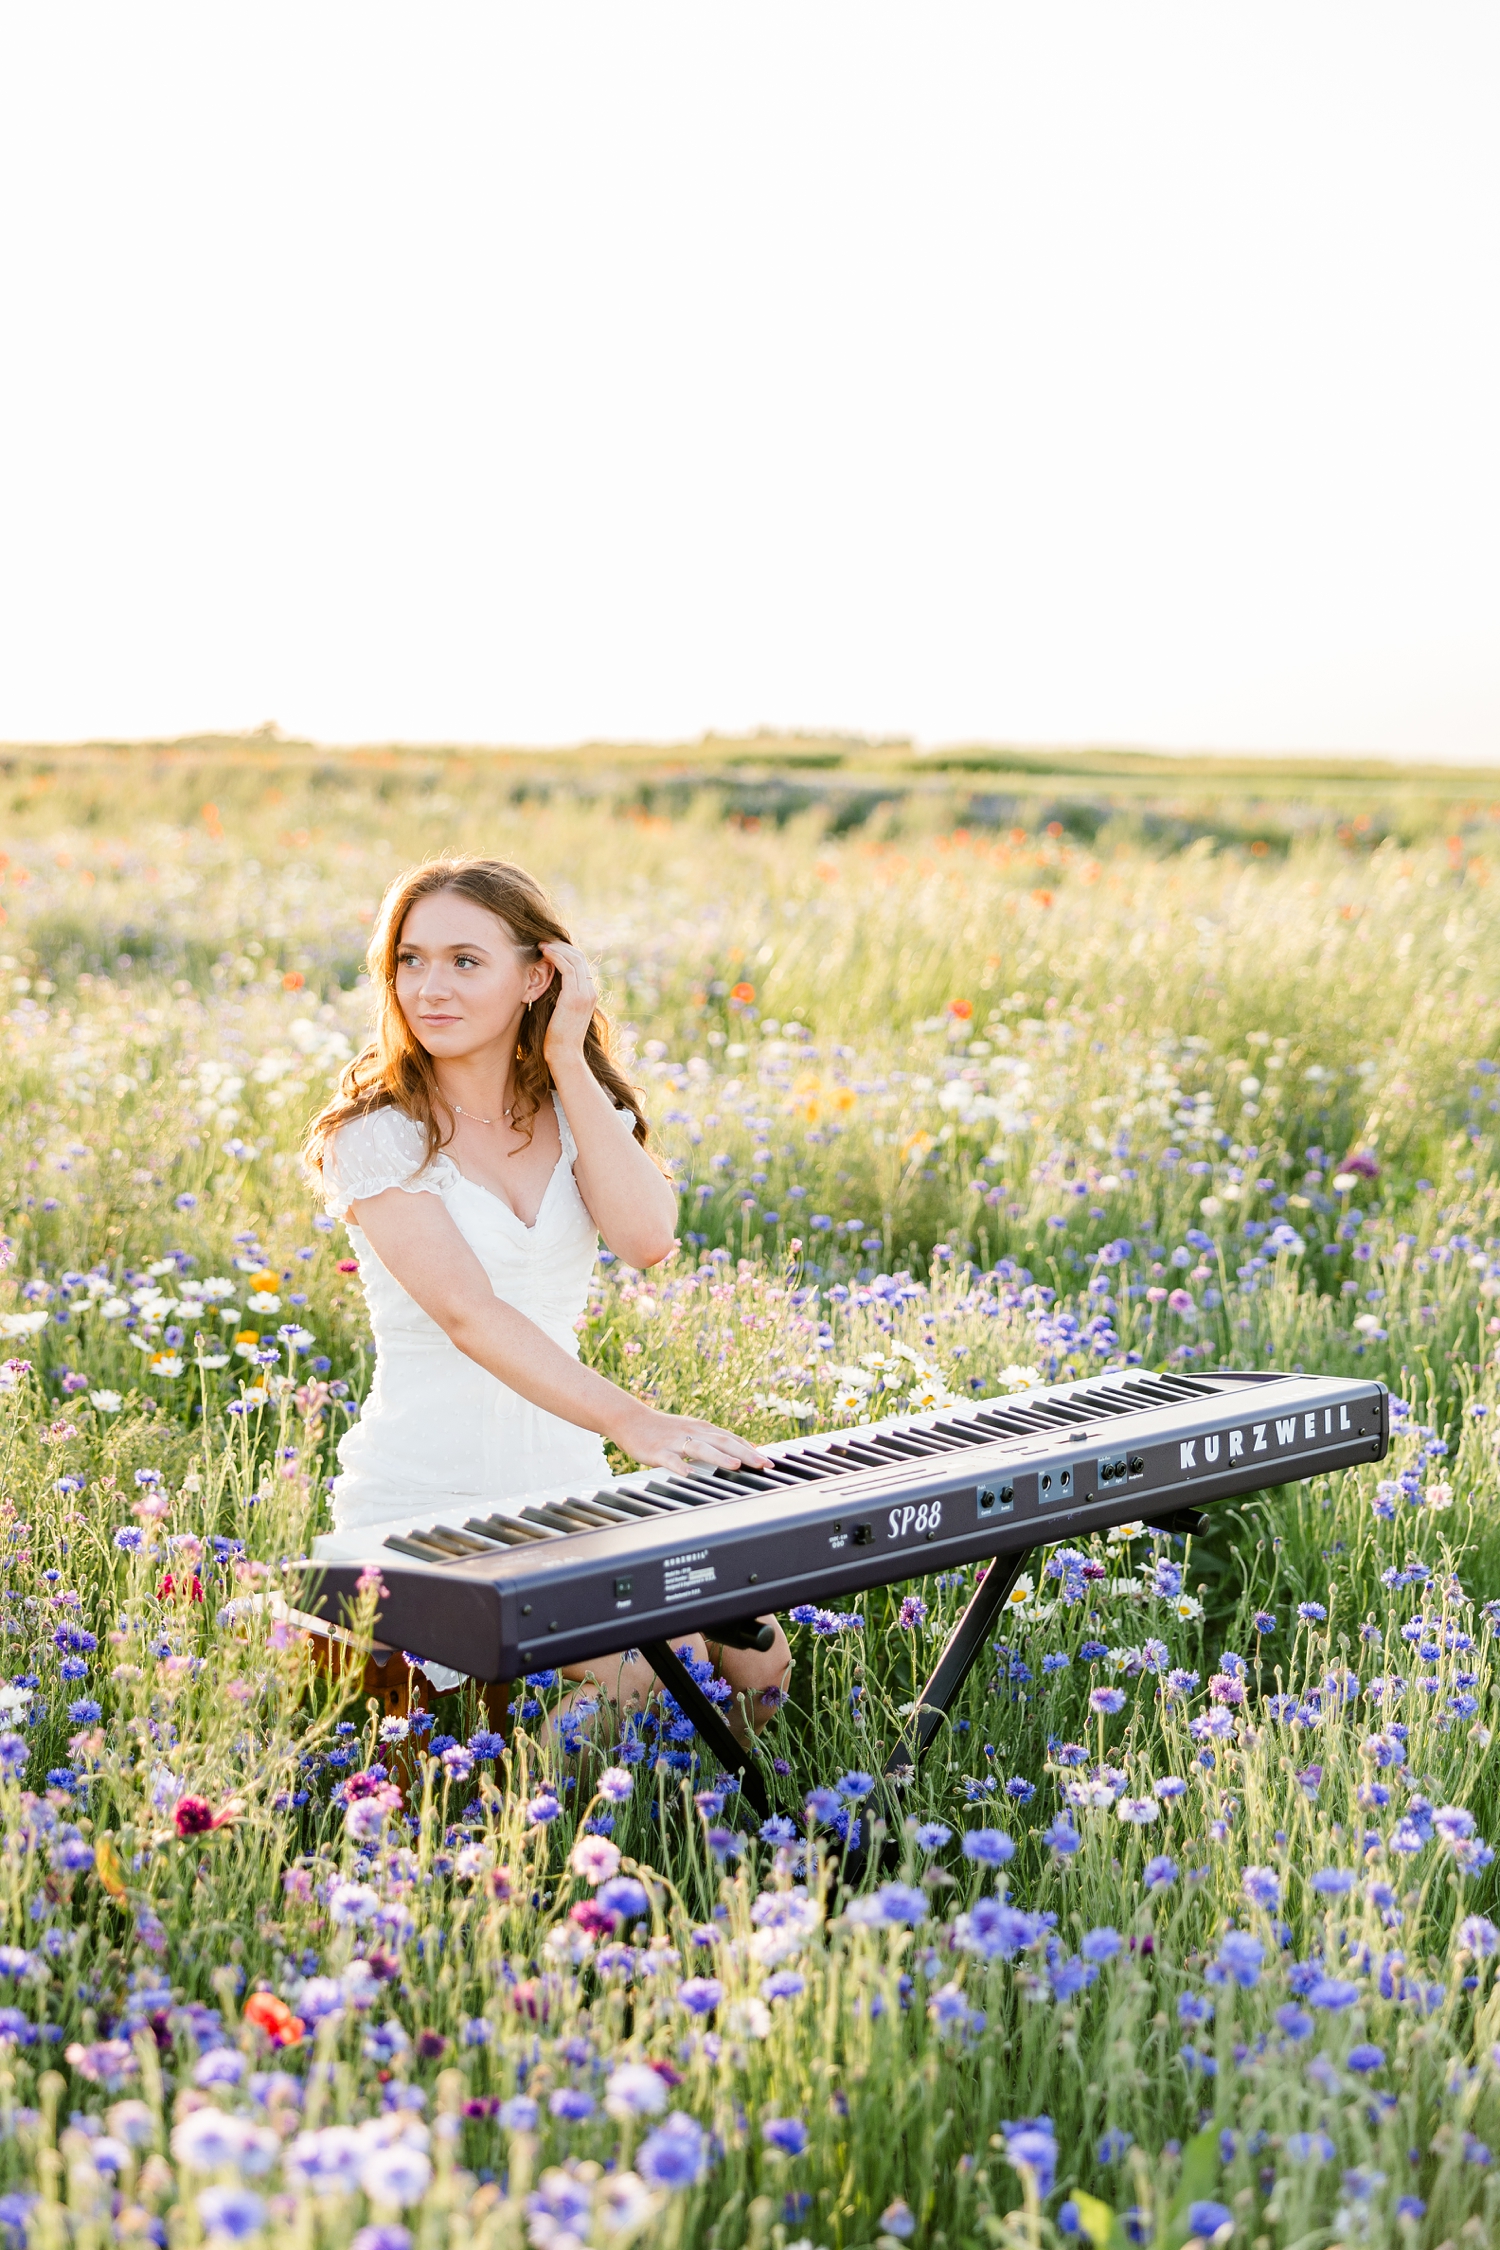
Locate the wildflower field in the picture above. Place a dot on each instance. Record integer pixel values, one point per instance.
(1185, 1930)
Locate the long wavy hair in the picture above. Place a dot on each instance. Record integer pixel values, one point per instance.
(394, 1071)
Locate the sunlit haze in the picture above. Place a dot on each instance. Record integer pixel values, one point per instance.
(489, 374)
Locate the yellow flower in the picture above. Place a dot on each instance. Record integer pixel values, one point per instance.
(247, 1336)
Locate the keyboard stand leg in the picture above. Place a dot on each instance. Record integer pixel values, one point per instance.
(709, 1724)
(962, 1650)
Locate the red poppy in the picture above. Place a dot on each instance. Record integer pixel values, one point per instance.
(274, 2018)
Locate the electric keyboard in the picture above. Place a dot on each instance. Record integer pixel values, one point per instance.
(560, 1577)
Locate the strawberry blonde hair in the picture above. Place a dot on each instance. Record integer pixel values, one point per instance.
(394, 1071)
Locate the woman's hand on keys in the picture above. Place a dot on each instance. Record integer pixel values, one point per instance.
(675, 1441)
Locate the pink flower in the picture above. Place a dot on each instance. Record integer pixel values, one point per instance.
(1181, 1301)
(595, 1858)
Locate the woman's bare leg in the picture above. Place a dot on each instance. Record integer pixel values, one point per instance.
(627, 1681)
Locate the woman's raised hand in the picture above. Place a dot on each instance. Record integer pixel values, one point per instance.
(671, 1441)
(573, 1011)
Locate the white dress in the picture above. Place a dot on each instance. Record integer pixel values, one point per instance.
(438, 1434)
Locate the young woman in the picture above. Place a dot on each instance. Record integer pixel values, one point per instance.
(478, 1148)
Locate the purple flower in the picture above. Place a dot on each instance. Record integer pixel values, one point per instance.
(1366, 2057)
(1294, 2021)
(1031, 2149)
(788, 2134)
(912, 1612)
(1264, 1621)
(1106, 1700)
(899, 1902)
(1312, 1613)
(1333, 1994)
(130, 1539)
(519, 2114)
(1261, 1886)
(1207, 2217)
(1240, 1956)
(855, 1786)
(1159, 1874)
(931, 1835)
(234, 2211)
(990, 1847)
(676, 2155)
(786, 1984)
(1304, 2148)
(1334, 1882)
(700, 1995)
(1101, 1944)
(623, 1897)
(571, 2104)
(995, 1930)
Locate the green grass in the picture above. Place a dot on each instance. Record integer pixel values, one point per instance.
(886, 1025)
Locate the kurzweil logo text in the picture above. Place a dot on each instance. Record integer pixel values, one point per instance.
(1264, 1437)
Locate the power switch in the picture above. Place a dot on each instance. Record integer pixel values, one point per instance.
(622, 1589)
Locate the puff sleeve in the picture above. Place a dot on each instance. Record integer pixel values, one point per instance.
(381, 1150)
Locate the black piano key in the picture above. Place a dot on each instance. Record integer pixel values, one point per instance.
(601, 1511)
(579, 1518)
(456, 1542)
(706, 1484)
(805, 1467)
(672, 1494)
(630, 1504)
(552, 1517)
(863, 1454)
(503, 1535)
(417, 1548)
(967, 1433)
(683, 1490)
(899, 1448)
(526, 1532)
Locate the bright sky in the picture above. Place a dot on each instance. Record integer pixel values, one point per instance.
(977, 372)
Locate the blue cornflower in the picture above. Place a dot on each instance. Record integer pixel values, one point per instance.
(931, 1835)
(991, 1847)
